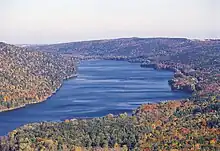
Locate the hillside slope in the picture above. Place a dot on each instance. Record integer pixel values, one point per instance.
(196, 62)
(30, 76)
(118, 47)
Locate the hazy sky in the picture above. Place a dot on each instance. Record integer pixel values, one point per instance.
(52, 21)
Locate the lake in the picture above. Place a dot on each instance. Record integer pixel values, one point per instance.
(101, 87)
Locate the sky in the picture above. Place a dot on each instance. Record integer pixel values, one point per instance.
(55, 21)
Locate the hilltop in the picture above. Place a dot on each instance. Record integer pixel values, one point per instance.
(130, 47)
(30, 76)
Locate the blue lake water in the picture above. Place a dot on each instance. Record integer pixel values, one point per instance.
(101, 87)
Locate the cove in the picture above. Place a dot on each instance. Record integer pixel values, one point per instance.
(102, 87)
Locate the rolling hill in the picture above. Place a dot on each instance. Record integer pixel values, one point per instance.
(30, 76)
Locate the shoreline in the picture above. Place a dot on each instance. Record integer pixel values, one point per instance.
(185, 88)
(152, 66)
(172, 82)
(44, 99)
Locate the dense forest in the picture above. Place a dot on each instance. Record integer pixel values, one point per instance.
(30, 76)
(190, 124)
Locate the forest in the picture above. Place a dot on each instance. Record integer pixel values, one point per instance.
(29, 76)
(189, 124)
(172, 125)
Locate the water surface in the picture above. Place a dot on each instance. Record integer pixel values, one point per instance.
(102, 87)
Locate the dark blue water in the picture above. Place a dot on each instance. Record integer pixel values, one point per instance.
(102, 87)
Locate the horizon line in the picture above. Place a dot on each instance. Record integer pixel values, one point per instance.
(115, 38)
